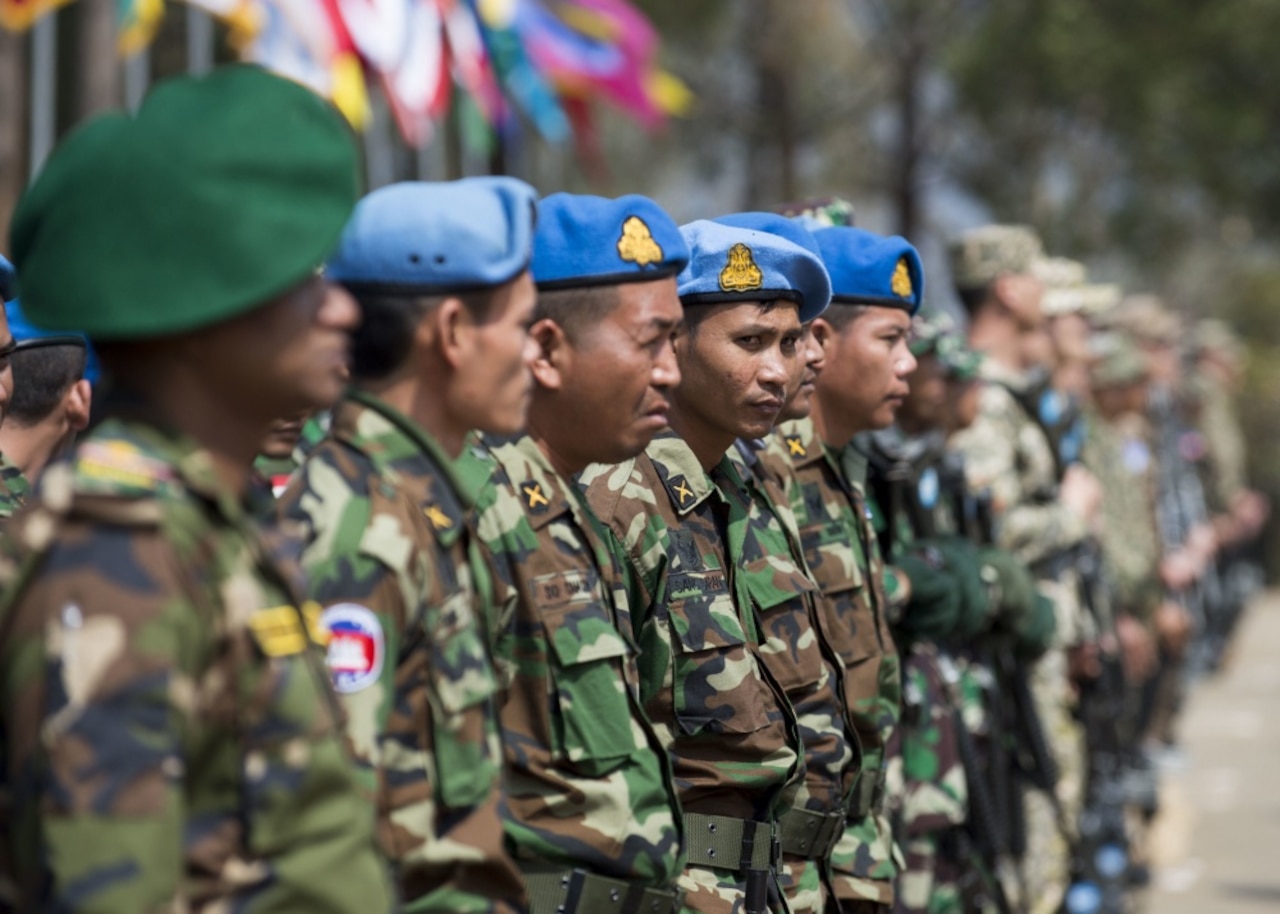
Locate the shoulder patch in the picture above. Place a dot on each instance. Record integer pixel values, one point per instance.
(740, 273)
(439, 519)
(279, 631)
(534, 499)
(117, 465)
(678, 488)
(795, 446)
(357, 649)
(636, 244)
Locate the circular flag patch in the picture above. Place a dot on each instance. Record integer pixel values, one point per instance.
(356, 649)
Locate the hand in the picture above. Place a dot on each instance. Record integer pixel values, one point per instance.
(1173, 627)
(1178, 570)
(1083, 662)
(1081, 492)
(1137, 649)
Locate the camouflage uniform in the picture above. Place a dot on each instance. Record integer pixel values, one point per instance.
(385, 546)
(588, 784)
(797, 652)
(14, 488)
(1007, 453)
(839, 545)
(724, 719)
(170, 737)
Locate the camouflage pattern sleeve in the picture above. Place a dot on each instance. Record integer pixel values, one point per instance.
(170, 738)
(1006, 453)
(384, 543)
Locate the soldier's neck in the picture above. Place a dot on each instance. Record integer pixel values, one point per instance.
(832, 423)
(427, 404)
(994, 338)
(707, 443)
(30, 448)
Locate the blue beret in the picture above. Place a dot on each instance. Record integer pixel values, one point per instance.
(871, 269)
(794, 230)
(7, 279)
(28, 336)
(421, 237)
(594, 241)
(739, 264)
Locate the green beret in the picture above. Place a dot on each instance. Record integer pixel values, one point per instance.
(222, 192)
(1036, 636)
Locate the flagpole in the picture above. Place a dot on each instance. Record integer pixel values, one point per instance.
(200, 40)
(44, 90)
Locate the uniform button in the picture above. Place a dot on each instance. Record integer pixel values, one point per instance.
(614, 895)
(711, 826)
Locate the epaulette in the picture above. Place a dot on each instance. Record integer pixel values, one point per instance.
(63, 493)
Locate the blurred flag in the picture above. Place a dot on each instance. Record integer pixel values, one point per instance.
(17, 15)
(245, 18)
(137, 21)
(306, 40)
(520, 79)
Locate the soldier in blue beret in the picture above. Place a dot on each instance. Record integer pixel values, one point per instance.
(441, 274)
(177, 744)
(680, 512)
(797, 649)
(876, 286)
(591, 810)
(49, 407)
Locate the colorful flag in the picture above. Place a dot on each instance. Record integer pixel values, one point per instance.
(17, 15)
(137, 21)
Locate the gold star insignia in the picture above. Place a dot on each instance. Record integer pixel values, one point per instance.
(438, 518)
(682, 490)
(795, 447)
(636, 244)
(533, 495)
(740, 273)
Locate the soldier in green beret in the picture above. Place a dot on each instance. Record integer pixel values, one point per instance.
(171, 740)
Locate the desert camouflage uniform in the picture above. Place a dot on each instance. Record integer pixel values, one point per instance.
(796, 651)
(826, 496)
(1218, 421)
(724, 719)
(14, 488)
(1007, 453)
(384, 542)
(1120, 456)
(588, 784)
(170, 737)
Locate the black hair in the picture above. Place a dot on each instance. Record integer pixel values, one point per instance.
(973, 299)
(388, 321)
(840, 315)
(42, 375)
(577, 309)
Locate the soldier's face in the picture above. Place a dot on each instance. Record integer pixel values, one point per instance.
(926, 402)
(6, 365)
(868, 363)
(735, 368)
(288, 356)
(493, 382)
(618, 377)
(810, 364)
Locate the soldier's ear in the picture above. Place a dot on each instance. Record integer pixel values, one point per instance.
(447, 326)
(76, 403)
(823, 333)
(553, 353)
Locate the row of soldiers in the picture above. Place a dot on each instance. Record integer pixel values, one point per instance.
(622, 566)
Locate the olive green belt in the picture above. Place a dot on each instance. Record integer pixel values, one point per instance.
(808, 834)
(731, 844)
(554, 890)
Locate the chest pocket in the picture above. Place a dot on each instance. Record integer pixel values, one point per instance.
(718, 686)
(845, 607)
(591, 713)
(782, 594)
(461, 687)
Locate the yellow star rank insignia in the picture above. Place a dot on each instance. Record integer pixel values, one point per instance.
(438, 518)
(740, 273)
(636, 244)
(901, 281)
(795, 446)
(533, 497)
